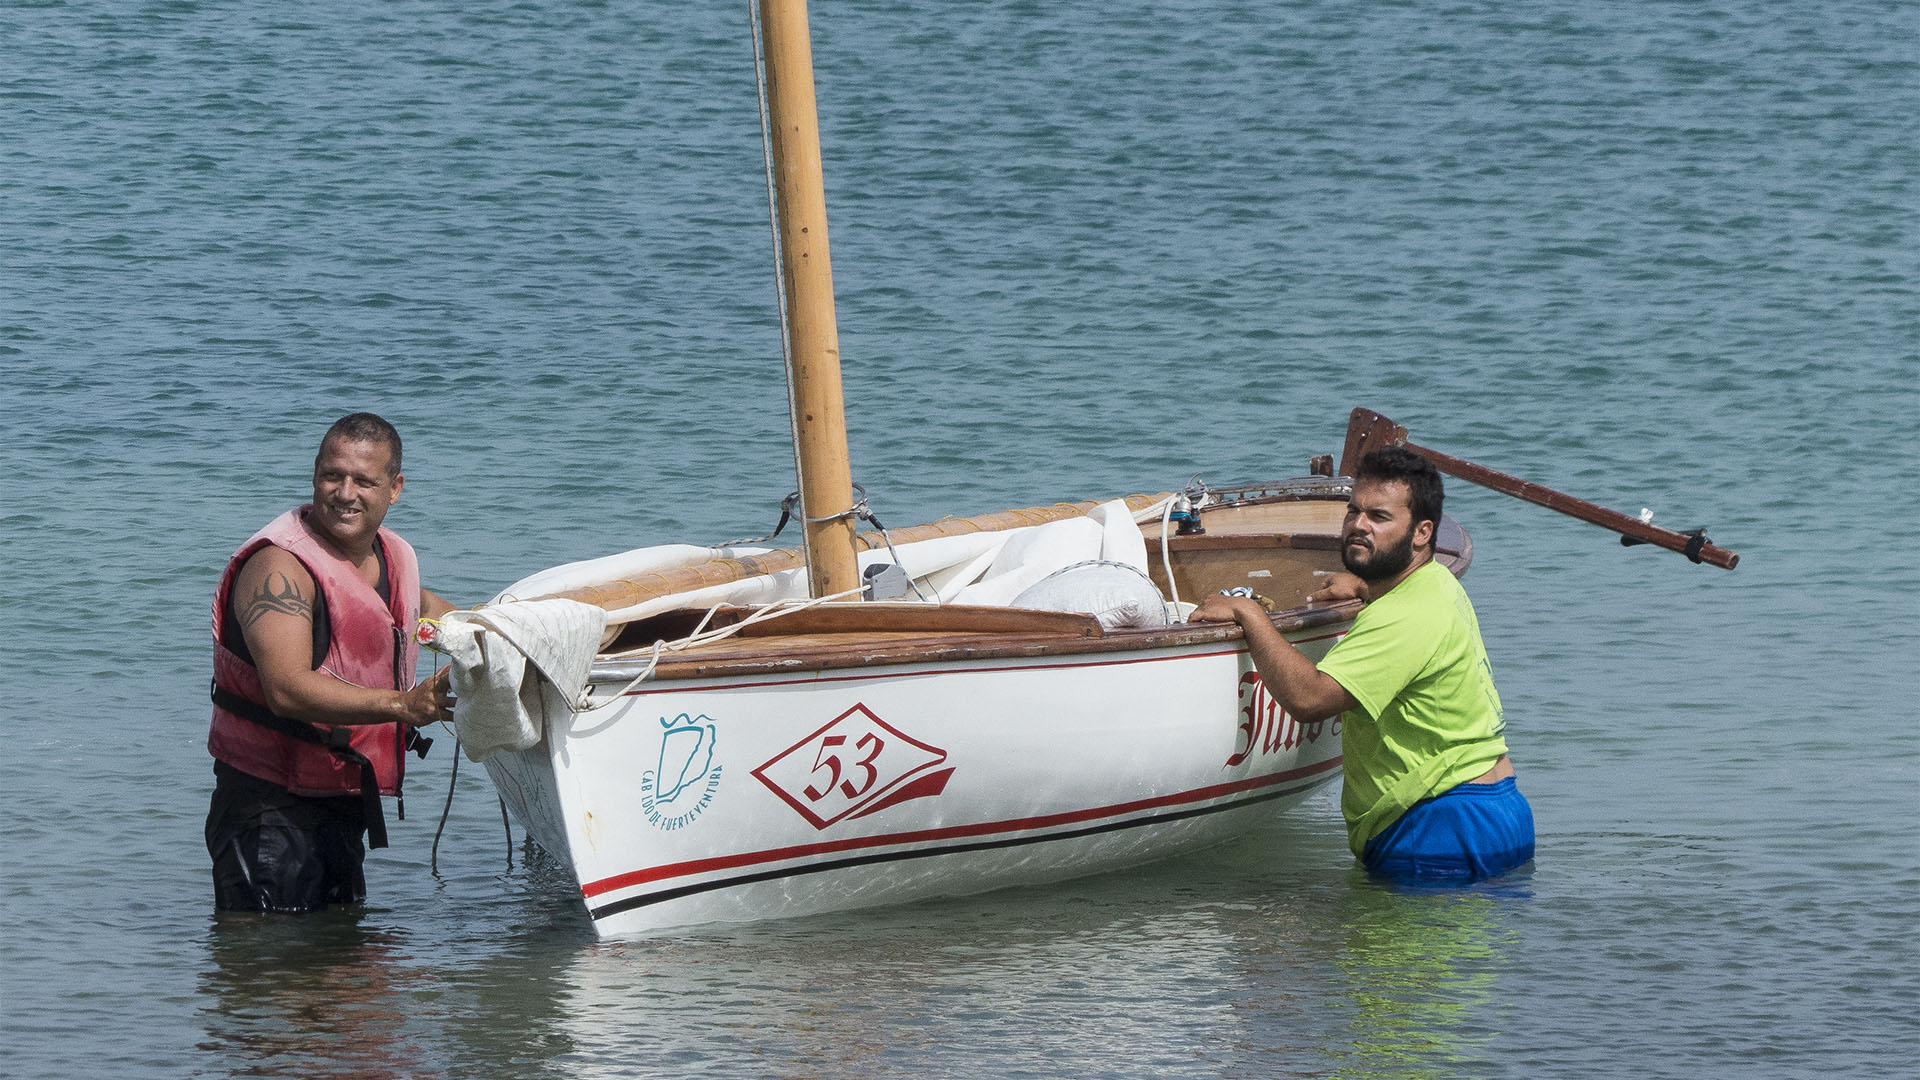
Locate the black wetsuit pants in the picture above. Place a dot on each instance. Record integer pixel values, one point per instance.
(276, 851)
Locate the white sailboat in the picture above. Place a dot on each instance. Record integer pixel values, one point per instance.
(730, 733)
(830, 756)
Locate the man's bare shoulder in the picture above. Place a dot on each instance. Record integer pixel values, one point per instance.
(273, 582)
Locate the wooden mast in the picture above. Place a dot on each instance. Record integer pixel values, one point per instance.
(806, 274)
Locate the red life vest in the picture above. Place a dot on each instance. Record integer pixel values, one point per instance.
(372, 645)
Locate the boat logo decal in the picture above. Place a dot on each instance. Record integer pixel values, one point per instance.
(682, 783)
(1265, 727)
(856, 765)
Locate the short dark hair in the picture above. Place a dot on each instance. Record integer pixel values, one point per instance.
(1397, 463)
(364, 427)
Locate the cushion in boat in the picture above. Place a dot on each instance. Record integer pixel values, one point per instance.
(1116, 593)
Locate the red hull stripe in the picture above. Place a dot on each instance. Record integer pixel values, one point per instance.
(956, 832)
(955, 671)
(648, 899)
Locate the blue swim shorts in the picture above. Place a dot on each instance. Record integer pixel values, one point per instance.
(1470, 832)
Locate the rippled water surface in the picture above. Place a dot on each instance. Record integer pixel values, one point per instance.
(1659, 254)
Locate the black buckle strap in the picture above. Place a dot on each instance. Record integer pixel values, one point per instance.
(336, 740)
(1696, 540)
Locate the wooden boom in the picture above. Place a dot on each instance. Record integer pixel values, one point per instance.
(1368, 430)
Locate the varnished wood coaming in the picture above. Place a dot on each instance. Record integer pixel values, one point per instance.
(854, 635)
(811, 652)
(819, 649)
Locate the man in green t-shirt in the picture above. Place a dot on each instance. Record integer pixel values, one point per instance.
(1429, 789)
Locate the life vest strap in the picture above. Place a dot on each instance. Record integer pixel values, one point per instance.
(336, 740)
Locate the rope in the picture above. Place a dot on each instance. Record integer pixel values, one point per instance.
(786, 514)
(433, 862)
(702, 636)
(859, 509)
(773, 225)
(1166, 559)
(911, 584)
(507, 828)
(1195, 495)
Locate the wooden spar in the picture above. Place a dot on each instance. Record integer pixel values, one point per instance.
(1691, 545)
(806, 275)
(1368, 430)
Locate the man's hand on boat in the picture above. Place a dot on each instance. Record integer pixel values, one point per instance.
(1229, 607)
(431, 701)
(1306, 692)
(437, 690)
(1340, 587)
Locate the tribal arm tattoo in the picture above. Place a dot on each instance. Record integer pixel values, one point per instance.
(278, 595)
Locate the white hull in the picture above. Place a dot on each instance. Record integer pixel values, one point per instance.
(774, 795)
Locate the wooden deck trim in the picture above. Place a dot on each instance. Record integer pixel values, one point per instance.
(854, 635)
(829, 650)
(1249, 541)
(760, 656)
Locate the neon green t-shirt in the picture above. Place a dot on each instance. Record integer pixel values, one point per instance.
(1429, 717)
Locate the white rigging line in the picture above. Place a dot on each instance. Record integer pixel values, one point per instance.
(702, 636)
(779, 251)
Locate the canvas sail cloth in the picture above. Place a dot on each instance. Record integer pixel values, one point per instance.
(501, 653)
(971, 568)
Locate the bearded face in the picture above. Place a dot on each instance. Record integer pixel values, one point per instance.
(1377, 540)
(1365, 559)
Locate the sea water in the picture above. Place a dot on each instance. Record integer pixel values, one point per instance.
(1656, 254)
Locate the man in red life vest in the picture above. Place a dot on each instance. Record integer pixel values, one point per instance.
(315, 703)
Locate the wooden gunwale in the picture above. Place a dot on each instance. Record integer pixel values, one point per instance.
(1326, 493)
(770, 650)
(1245, 541)
(832, 652)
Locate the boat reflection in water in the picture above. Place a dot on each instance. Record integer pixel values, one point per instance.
(1264, 958)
